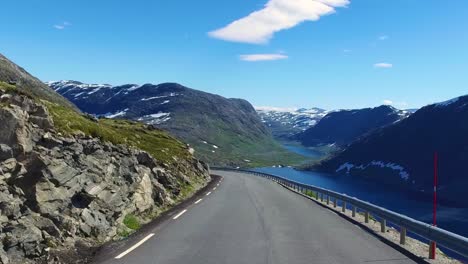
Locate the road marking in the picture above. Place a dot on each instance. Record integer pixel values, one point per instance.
(134, 246)
(208, 193)
(214, 188)
(217, 184)
(179, 214)
(199, 200)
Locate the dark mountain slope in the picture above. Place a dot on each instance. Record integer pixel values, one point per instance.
(345, 126)
(402, 153)
(223, 131)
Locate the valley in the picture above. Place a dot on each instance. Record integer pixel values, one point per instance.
(174, 134)
(233, 132)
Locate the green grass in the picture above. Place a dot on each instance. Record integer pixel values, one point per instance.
(158, 143)
(311, 194)
(7, 87)
(131, 222)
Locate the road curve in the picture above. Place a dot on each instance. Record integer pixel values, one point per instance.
(248, 219)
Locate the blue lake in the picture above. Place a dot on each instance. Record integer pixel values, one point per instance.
(306, 152)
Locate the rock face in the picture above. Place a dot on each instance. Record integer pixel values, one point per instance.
(61, 193)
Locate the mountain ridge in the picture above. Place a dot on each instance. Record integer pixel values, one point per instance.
(342, 127)
(402, 153)
(284, 123)
(222, 131)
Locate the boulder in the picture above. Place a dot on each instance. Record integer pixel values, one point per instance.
(5, 152)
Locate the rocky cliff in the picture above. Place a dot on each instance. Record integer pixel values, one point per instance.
(62, 192)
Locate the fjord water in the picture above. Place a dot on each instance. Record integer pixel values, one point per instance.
(306, 152)
(406, 203)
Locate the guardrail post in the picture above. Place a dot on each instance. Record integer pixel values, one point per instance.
(328, 199)
(321, 197)
(366, 217)
(354, 211)
(383, 225)
(402, 235)
(343, 209)
(432, 250)
(334, 202)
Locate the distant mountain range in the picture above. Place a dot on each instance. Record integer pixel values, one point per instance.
(284, 123)
(222, 131)
(402, 153)
(345, 126)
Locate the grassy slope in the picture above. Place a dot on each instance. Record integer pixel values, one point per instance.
(158, 143)
(233, 148)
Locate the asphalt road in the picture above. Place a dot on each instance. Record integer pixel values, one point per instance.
(248, 219)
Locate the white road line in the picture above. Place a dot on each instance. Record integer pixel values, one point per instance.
(217, 184)
(208, 193)
(199, 200)
(179, 214)
(214, 188)
(134, 246)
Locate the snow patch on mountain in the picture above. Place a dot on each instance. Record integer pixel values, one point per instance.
(117, 114)
(155, 119)
(289, 121)
(347, 167)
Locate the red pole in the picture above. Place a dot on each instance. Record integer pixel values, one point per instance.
(432, 250)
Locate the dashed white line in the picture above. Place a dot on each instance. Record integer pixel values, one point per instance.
(208, 193)
(134, 246)
(214, 188)
(179, 214)
(199, 200)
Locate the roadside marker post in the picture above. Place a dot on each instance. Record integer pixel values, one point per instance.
(433, 246)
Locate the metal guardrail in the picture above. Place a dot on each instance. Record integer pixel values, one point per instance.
(452, 241)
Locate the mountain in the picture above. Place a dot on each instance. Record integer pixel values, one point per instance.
(11, 73)
(222, 131)
(344, 126)
(402, 153)
(70, 183)
(284, 123)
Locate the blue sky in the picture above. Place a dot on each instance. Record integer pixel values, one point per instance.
(359, 53)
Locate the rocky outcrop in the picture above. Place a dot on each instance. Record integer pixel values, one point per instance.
(61, 193)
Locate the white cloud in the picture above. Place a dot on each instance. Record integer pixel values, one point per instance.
(263, 57)
(62, 25)
(398, 104)
(387, 102)
(383, 37)
(260, 26)
(383, 65)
